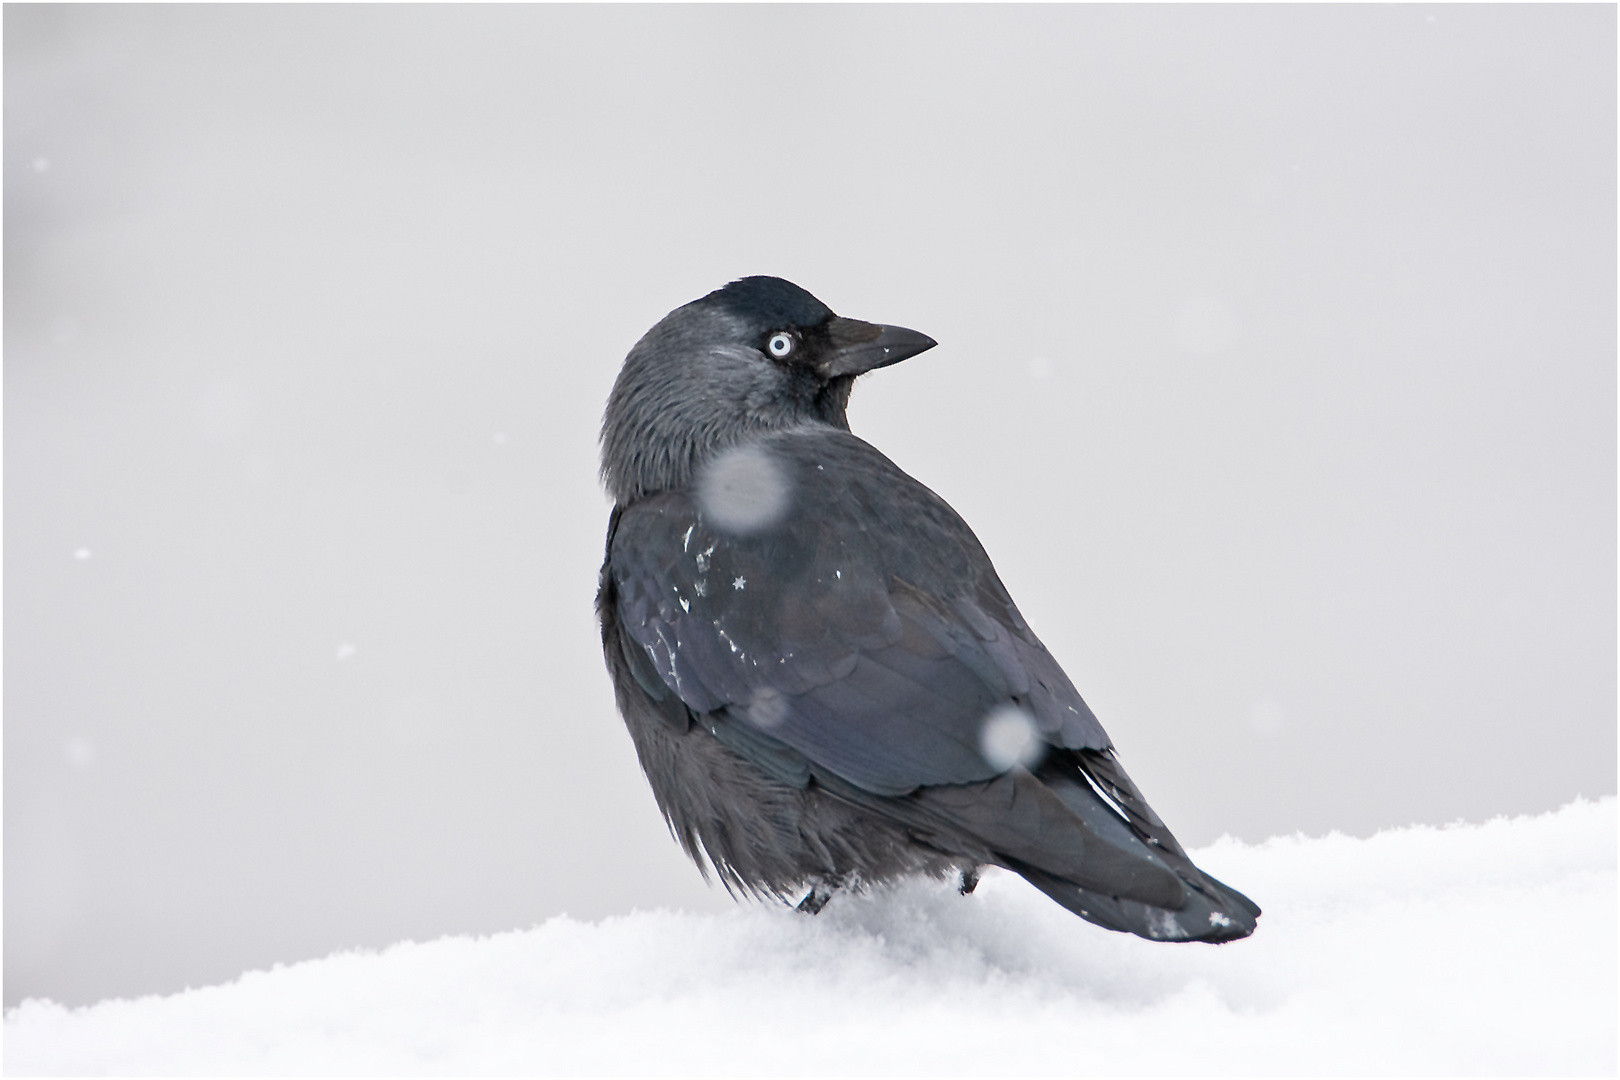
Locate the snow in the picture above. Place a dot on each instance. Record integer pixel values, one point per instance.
(1463, 949)
(1009, 738)
(743, 491)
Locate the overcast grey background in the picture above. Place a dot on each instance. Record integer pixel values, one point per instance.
(1276, 373)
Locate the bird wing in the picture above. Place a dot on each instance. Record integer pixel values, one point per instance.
(864, 627)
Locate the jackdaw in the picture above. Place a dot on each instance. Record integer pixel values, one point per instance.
(826, 683)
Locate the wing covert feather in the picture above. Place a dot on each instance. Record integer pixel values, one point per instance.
(865, 629)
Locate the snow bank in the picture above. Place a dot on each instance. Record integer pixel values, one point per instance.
(1465, 949)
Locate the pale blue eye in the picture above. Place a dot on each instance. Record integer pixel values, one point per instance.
(780, 345)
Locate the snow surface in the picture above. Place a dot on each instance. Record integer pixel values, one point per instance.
(1465, 949)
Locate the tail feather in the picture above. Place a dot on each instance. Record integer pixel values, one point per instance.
(1022, 819)
(1079, 830)
(1213, 911)
(1201, 918)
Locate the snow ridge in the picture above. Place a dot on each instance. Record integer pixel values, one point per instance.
(1461, 949)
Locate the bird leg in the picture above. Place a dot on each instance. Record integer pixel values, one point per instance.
(970, 879)
(821, 891)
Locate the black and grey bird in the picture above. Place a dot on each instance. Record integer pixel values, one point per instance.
(826, 682)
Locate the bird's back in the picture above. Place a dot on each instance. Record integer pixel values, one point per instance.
(826, 680)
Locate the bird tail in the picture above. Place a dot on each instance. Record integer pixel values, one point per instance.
(1079, 830)
(1211, 911)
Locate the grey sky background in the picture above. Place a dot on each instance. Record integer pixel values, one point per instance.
(1276, 373)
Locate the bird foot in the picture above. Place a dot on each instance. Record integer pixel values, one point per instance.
(970, 880)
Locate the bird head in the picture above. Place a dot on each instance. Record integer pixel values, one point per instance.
(758, 355)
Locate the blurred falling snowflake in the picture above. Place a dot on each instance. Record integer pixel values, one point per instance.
(1009, 738)
(79, 751)
(743, 491)
(768, 707)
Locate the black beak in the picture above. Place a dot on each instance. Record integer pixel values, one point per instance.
(862, 346)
